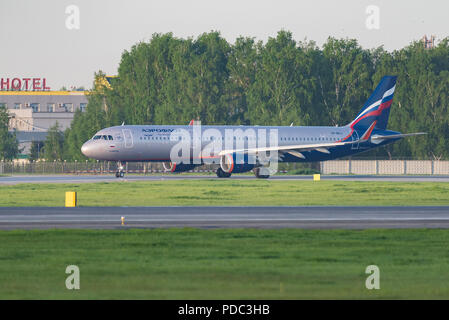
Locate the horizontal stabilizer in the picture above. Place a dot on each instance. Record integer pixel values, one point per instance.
(397, 136)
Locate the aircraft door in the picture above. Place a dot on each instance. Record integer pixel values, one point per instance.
(127, 134)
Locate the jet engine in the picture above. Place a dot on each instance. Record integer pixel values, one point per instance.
(231, 163)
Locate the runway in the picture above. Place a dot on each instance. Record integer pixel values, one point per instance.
(224, 217)
(62, 178)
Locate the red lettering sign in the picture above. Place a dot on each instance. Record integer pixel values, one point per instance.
(44, 84)
(16, 84)
(35, 84)
(26, 82)
(4, 83)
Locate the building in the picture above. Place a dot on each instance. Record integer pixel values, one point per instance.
(32, 113)
(429, 43)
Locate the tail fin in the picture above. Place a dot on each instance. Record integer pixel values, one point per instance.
(377, 107)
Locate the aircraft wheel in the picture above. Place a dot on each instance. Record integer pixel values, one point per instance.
(222, 174)
(120, 173)
(260, 176)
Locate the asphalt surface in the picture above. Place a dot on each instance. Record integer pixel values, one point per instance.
(111, 178)
(224, 217)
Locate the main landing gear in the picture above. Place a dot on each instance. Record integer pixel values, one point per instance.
(120, 173)
(261, 173)
(222, 174)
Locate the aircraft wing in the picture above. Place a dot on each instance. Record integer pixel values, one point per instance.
(301, 147)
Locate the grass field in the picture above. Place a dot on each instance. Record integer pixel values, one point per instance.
(224, 264)
(215, 192)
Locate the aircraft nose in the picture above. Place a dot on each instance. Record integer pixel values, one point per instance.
(86, 149)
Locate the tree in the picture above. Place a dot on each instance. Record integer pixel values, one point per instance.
(53, 145)
(278, 95)
(243, 64)
(170, 80)
(348, 82)
(99, 114)
(36, 150)
(9, 146)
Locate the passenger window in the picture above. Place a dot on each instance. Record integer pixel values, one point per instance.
(110, 138)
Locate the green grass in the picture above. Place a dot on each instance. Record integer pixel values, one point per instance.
(229, 193)
(224, 264)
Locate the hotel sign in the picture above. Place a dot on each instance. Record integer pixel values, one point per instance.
(23, 84)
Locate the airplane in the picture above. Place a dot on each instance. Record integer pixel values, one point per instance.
(246, 147)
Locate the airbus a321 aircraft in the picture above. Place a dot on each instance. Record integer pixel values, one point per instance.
(237, 149)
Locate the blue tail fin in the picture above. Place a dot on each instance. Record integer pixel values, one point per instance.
(377, 107)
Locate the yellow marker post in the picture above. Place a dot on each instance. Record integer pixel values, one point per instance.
(316, 177)
(70, 199)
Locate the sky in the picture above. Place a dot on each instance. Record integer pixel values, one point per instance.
(39, 39)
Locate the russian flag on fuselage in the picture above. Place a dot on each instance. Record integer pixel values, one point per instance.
(377, 107)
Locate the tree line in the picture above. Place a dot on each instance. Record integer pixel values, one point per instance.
(170, 80)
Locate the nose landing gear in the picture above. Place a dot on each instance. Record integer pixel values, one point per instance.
(120, 173)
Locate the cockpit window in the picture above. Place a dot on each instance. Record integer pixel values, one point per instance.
(102, 137)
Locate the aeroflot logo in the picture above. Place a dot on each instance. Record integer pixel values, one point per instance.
(246, 146)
